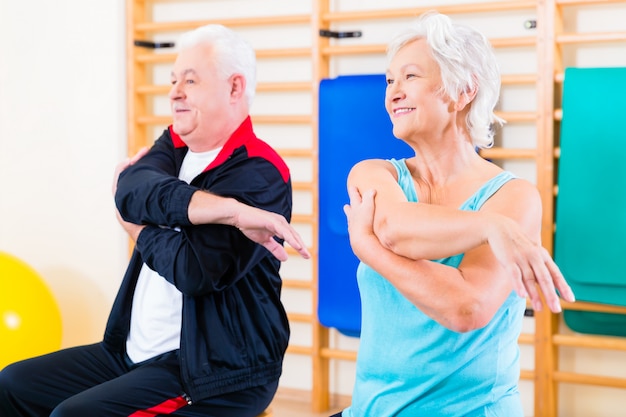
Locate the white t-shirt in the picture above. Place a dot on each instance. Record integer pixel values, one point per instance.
(156, 314)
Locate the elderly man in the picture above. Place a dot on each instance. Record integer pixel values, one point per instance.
(197, 328)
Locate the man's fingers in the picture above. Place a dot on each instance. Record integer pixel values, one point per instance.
(131, 160)
(286, 232)
(125, 164)
(138, 155)
(276, 249)
(116, 174)
(295, 241)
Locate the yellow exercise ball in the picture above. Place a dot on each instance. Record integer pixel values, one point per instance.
(30, 320)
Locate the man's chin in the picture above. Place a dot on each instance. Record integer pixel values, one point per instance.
(180, 129)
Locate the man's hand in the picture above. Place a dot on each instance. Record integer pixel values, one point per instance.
(132, 229)
(258, 225)
(125, 164)
(261, 226)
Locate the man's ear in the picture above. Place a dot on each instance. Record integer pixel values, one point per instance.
(237, 86)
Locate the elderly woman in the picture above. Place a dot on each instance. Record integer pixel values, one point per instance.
(449, 243)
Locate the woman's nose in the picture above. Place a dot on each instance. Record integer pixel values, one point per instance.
(394, 92)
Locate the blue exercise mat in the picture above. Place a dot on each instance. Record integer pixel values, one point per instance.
(353, 126)
(590, 236)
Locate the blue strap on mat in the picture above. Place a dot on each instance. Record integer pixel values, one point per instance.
(353, 126)
(590, 236)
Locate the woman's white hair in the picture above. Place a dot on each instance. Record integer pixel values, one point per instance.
(232, 54)
(466, 61)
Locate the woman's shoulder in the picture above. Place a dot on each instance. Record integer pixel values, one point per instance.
(372, 171)
(518, 185)
(516, 192)
(367, 165)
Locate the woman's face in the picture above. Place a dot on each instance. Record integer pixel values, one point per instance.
(413, 100)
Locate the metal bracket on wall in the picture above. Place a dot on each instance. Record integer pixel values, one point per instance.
(332, 34)
(530, 24)
(154, 45)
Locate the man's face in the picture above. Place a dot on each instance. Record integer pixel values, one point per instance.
(200, 96)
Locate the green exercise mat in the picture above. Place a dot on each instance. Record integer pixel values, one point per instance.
(590, 237)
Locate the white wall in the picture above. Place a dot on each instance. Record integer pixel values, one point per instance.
(62, 115)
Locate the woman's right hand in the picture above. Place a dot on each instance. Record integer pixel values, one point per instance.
(528, 263)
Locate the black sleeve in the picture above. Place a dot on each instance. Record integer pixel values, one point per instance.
(205, 258)
(150, 193)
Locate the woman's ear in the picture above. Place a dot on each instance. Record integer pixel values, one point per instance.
(466, 97)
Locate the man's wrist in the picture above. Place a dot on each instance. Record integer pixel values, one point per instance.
(207, 208)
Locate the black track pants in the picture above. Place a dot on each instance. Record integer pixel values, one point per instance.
(91, 381)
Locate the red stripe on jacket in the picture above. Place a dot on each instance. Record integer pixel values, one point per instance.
(243, 135)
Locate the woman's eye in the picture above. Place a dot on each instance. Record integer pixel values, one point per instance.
(389, 81)
(190, 81)
(410, 76)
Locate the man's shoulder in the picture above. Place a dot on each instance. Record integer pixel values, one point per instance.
(258, 148)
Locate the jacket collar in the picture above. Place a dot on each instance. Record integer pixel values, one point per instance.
(240, 136)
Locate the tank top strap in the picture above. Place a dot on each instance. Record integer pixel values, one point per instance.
(405, 181)
(475, 202)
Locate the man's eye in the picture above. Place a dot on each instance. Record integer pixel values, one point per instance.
(173, 82)
(190, 81)
(410, 76)
(389, 81)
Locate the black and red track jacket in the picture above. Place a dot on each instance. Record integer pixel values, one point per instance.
(234, 327)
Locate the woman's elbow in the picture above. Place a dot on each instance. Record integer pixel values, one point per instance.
(387, 235)
(393, 236)
(468, 316)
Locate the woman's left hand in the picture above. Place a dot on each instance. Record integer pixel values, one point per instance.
(360, 215)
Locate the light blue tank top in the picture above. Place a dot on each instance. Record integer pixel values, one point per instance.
(409, 365)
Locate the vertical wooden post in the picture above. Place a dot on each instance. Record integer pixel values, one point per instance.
(135, 75)
(546, 323)
(320, 400)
